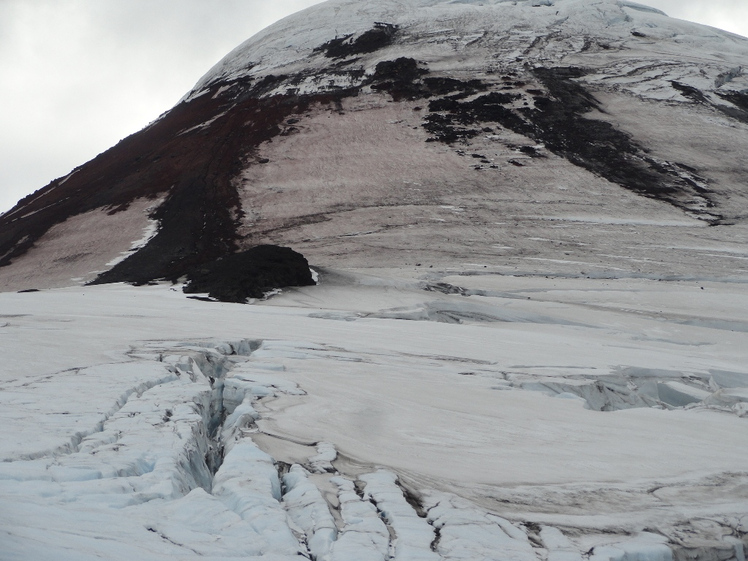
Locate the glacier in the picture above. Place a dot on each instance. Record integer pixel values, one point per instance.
(595, 418)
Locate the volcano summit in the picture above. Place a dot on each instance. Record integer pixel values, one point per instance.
(529, 338)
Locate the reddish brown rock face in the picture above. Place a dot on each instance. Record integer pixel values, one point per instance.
(189, 158)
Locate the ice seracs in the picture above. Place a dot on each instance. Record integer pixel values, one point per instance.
(334, 435)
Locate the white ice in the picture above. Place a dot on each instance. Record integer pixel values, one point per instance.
(163, 423)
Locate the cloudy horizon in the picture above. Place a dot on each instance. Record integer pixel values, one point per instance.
(77, 76)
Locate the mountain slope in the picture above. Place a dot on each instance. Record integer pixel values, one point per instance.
(400, 133)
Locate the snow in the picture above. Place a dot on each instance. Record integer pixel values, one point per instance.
(364, 535)
(407, 201)
(645, 547)
(164, 424)
(467, 533)
(413, 535)
(309, 511)
(248, 483)
(326, 454)
(149, 232)
(74, 248)
(482, 28)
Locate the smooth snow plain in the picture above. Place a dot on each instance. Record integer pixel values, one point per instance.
(378, 415)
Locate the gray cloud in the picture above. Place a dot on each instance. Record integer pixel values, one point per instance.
(731, 15)
(76, 76)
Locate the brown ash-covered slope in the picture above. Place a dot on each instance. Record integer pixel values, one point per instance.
(407, 133)
(176, 160)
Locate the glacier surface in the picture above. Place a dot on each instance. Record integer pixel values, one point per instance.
(570, 419)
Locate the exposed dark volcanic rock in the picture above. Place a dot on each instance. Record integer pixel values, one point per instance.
(689, 91)
(198, 221)
(601, 148)
(190, 155)
(738, 99)
(399, 78)
(250, 274)
(558, 122)
(372, 40)
(175, 155)
(443, 86)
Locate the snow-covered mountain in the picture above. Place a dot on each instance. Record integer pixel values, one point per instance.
(528, 340)
(393, 133)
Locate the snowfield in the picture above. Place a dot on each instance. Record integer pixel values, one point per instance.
(377, 417)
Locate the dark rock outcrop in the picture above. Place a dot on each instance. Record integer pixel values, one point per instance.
(250, 274)
(190, 167)
(372, 40)
(559, 122)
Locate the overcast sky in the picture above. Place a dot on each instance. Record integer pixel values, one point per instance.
(76, 76)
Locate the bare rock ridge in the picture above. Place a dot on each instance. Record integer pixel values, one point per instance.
(477, 104)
